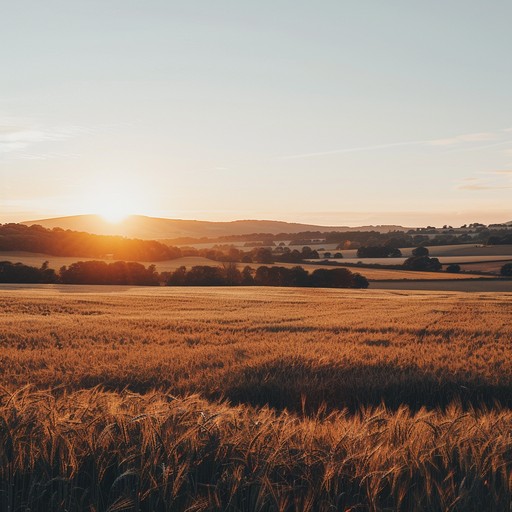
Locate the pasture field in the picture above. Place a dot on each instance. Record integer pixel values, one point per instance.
(254, 399)
(460, 251)
(445, 260)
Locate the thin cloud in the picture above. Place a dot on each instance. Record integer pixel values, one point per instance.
(496, 180)
(487, 146)
(468, 137)
(19, 141)
(465, 141)
(483, 187)
(500, 173)
(354, 150)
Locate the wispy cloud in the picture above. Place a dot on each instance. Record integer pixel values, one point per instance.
(26, 141)
(476, 186)
(488, 180)
(353, 150)
(463, 142)
(504, 172)
(467, 137)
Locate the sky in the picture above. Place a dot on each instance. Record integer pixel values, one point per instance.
(329, 112)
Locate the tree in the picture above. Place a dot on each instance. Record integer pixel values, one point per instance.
(506, 270)
(177, 278)
(422, 263)
(378, 251)
(263, 255)
(453, 268)
(203, 275)
(232, 274)
(359, 281)
(309, 254)
(420, 251)
(20, 273)
(247, 279)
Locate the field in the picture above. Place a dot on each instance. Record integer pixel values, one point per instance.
(460, 251)
(471, 257)
(384, 274)
(246, 399)
(55, 262)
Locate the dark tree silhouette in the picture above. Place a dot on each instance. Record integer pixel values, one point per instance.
(506, 270)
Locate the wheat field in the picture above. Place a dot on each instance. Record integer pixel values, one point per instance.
(254, 399)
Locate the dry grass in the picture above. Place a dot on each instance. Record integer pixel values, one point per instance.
(380, 400)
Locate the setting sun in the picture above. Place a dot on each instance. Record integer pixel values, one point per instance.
(114, 213)
(117, 197)
(114, 205)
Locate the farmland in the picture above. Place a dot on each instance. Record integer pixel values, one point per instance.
(372, 274)
(254, 399)
(55, 262)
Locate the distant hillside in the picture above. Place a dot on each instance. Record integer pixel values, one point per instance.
(151, 228)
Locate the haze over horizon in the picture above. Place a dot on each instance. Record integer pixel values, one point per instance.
(340, 114)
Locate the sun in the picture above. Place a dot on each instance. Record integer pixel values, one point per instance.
(113, 215)
(113, 196)
(114, 207)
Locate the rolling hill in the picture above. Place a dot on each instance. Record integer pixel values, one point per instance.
(152, 228)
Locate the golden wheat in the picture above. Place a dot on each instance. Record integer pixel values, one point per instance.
(379, 400)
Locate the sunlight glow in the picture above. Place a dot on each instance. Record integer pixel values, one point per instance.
(113, 215)
(114, 199)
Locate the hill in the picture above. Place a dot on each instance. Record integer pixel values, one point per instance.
(152, 228)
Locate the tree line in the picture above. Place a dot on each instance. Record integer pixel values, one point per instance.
(230, 275)
(59, 242)
(81, 272)
(130, 273)
(474, 233)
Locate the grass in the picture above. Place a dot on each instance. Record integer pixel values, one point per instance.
(254, 399)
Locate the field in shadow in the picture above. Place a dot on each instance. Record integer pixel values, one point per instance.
(299, 385)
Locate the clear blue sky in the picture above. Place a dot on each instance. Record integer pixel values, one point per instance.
(332, 112)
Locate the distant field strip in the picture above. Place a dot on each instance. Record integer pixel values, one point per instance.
(377, 274)
(55, 262)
